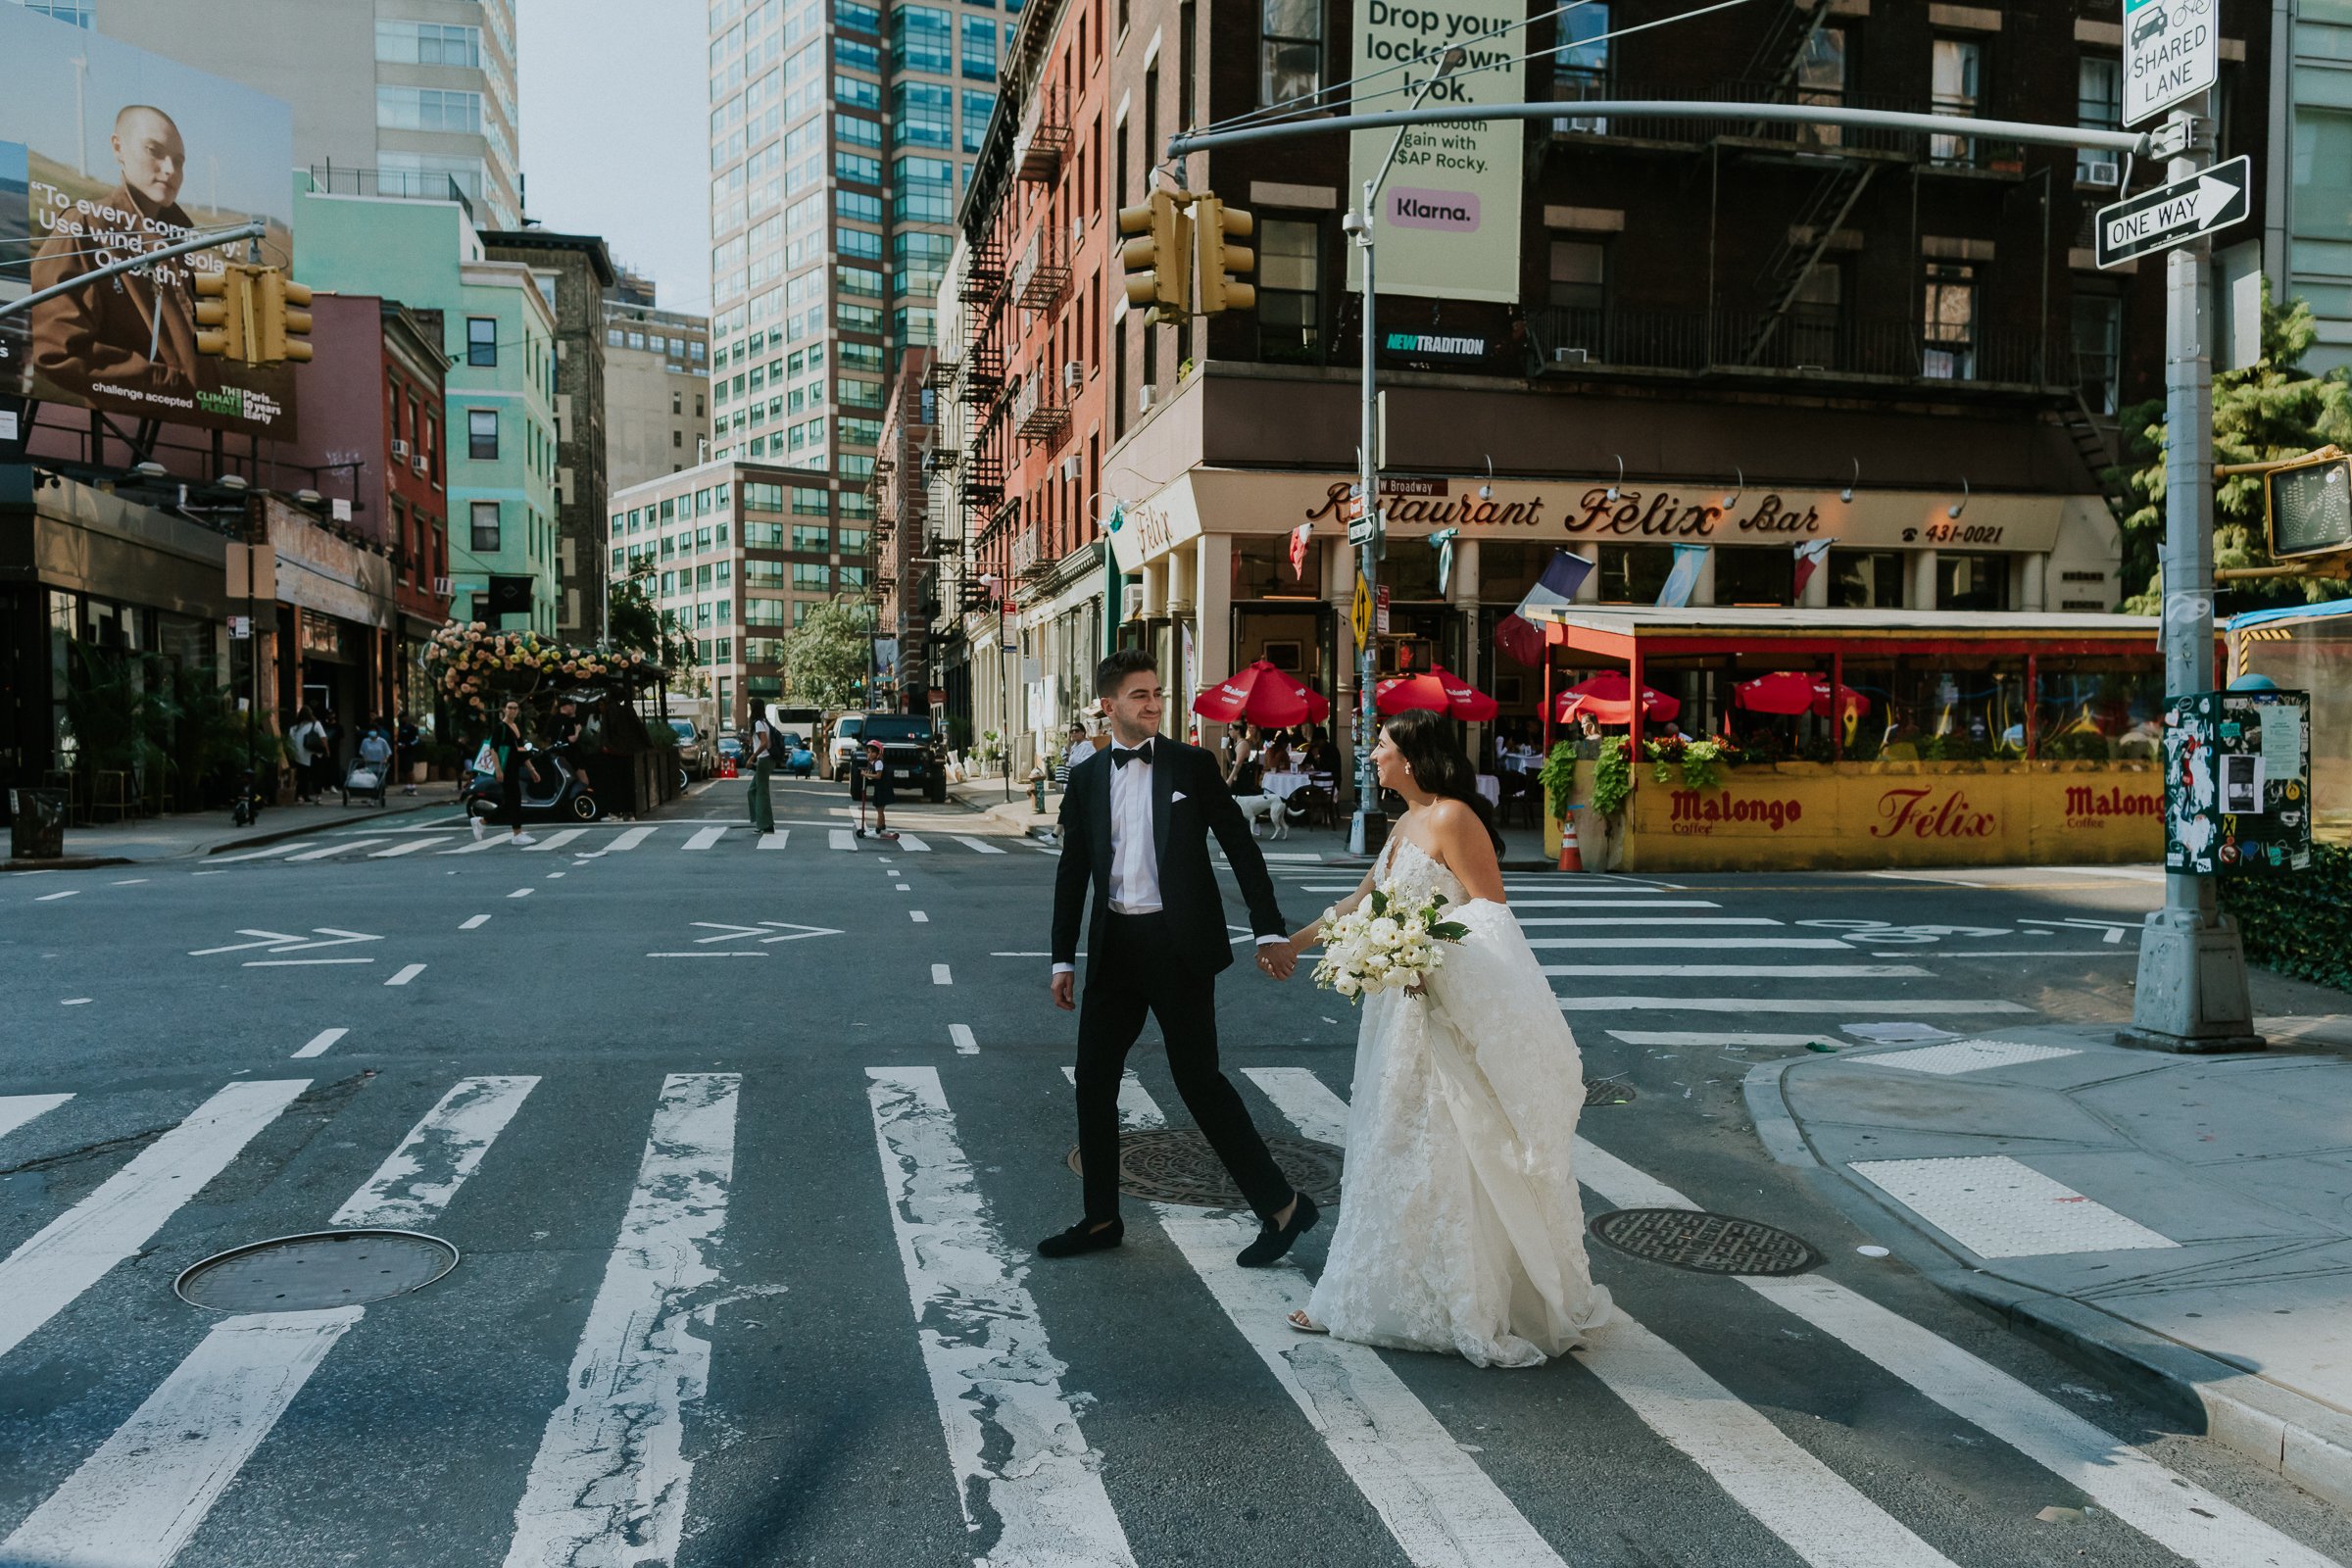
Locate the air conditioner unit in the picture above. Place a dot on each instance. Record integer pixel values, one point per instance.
(441, 587)
(1143, 397)
(1131, 602)
(2099, 172)
(1069, 467)
(1073, 374)
(400, 450)
(417, 464)
(1570, 355)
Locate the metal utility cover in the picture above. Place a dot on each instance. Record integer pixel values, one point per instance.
(1703, 1243)
(2171, 54)
(1176, 1166)
(320, 1269)
(1608, 1092)
(2166, 216)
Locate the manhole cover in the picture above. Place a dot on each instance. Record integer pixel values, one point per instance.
(1608, 1092)
(1703, 1243)
(326, 1268)
(1176, 1166)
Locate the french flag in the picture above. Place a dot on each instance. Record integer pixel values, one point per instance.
(1518, 634)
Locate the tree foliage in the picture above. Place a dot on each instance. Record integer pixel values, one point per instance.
(635, 623)
(827, 655)
(2272, 409)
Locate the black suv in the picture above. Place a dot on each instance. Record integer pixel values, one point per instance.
(913, 750)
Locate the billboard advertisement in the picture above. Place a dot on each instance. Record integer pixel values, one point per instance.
(126, 152)
(1448, 223)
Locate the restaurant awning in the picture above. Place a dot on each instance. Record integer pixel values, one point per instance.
(1612, 631)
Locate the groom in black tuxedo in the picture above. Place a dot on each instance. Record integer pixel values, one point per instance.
(1135, 826)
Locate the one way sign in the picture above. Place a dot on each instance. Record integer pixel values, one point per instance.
(2211, 199)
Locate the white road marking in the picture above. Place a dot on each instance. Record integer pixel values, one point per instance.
(1668, 944)
(977, 846)
(1030, 1486)
(487, 841)
(407, 972)
(705, 837)
(1436, 1502)
(918, 918)
(775, 840)
(555, 841)
(2173, 1511)
(298, 963)
(127, 882)
(940, 975)
(1609, 903)
(553, 876)
(735, 955)
(625, 840)
(840, 838)
(908, 841)
(320, 1043)
(961, 1035)
(1304, 1099)
(1969, 1055)
(260, 855)
(610, 1478)
(417, 1179)
(1777, 1005)
(76, 1001)
(1679, 1038)
(1637, 919)
(344, 846)
(1997, 1207)
(75, 1249)
(1939, 878)
(474, 922)
(901, 887)
(520, 893)
(1737, 971)
(410, 847)
(18, 1110)
(52, 897)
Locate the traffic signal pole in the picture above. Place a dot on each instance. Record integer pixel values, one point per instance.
(132, 264)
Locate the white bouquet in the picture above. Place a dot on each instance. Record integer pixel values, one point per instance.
(1386, 944)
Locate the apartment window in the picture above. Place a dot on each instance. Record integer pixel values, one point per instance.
(763, 574)
(1580, 70)
(1752, 576)
(482, 340)
(1956, 74)
(922, 114)
(812, 538)
(1822, 70)
(1970, 580)
(2322, 172)
(811, 577)
(1290, 323)
(922, 38)
(858, 131)
(979, 49)
(1948, 324)
(764, 612)
(1633, 574)
(1289, 51)
(1865, 579)
(923, 190)
(855, 92)
(2098, 349)
(481, 433)
(1816, 323)
(2099, 106)
(428, 109)
(857, 18)
(485, 528)
(1579, 276)
(427, 43)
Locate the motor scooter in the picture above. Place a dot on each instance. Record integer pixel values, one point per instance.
(558, 793)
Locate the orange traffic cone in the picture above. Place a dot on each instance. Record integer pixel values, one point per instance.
(1570, 859)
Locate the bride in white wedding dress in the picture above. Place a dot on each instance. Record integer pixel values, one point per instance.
(1460, 1228)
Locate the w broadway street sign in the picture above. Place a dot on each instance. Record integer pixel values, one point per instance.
(2210, 199)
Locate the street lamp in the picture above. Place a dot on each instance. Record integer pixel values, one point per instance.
(1365, 828)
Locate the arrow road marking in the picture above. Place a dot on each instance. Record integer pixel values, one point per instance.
(267, 939)
(768, 931)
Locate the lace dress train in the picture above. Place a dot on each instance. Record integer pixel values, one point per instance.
(1460, 1229)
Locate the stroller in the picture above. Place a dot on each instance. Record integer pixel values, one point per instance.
(370, 770)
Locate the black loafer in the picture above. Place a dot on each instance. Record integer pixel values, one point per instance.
(1275, 1240)
(1083, 1237)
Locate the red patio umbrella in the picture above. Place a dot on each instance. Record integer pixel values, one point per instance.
(1607, 697)
(1441, 691)
(1795, 691)
(1259, 694)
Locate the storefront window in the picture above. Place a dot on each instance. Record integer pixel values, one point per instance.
(1967, 581)
(1507, 570)
(2095, 709)
(1865, 579)
(1410, 570)
(1633, 574)
(1754, 576)
(1938, 709)
(1261, 569)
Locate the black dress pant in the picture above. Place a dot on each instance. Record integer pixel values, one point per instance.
(1131, 970)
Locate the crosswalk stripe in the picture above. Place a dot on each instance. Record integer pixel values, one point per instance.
(75, 1250)
(410, 847)
(705, 837)
(1442, 1508)
(1644, 906)
(1781, 1005)
(611, 1477)
(1655, 943)
(488, 841)
(342, 846)
(1821, 1517)
(1028, 1483)
(625, 840)
(1640, 1037)
(2169, 1508)
(840, 838)
(1737, 971)
(977, 846)
(259, 855)
(775, 840)
(416, 1180)
(18, 1110)
(555, 841)
(909, 842)
(1647, 919)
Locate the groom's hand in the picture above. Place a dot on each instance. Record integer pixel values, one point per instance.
(1065, 991)
(1277, 959)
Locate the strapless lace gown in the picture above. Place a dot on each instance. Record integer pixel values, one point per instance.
(1460, 1228)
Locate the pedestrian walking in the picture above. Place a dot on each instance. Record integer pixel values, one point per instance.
(875, 771)
(764, 762)
(307, 739)
(505, 746)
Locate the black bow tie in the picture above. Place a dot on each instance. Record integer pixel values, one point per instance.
(1121, 755)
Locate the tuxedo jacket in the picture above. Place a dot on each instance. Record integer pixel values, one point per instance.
(1189, 801)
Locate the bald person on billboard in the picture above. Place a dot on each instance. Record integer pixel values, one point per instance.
(134, 332)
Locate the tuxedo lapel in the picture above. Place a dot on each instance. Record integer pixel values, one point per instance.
(1163, 806)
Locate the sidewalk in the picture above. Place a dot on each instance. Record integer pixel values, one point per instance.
(194, 834)
(987, 796)
(2182, 1221)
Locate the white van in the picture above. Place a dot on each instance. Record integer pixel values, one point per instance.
(847, 746)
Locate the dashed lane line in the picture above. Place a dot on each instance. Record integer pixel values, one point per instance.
(321, 1041)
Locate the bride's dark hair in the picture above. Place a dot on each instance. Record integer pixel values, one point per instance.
(1426, 743)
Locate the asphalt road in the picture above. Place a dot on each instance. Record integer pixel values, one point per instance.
(744, 1150)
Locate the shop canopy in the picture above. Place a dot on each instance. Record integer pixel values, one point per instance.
(1439, 691)
(1262, 694)
(1795, 691)
(1607, 698)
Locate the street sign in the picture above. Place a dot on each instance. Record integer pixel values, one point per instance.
(240, 628)
(1359, 615)
(1380, 610)
(2171, 54)
(1359, 531)
(2166, 216)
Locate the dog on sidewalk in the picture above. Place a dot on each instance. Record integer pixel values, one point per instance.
(1268, 807)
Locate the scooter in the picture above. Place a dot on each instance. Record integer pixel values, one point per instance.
(558, 794)
(246, 807)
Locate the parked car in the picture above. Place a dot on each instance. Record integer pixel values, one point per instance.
(733, 748)
(696, 755)
(848, 741)
(913, 750)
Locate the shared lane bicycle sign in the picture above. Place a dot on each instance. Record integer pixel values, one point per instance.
(2171, 52)
(2163, 217)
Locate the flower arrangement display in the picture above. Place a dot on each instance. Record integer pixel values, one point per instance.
(1385, 944)
(472, 664)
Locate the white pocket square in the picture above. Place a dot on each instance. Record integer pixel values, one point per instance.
(1175, 796)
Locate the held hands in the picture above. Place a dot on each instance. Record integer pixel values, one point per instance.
(1278, 958)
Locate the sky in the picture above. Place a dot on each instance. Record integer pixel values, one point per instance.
(615, 133)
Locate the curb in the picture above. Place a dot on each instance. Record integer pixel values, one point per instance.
(68, 862)
(256, 841)
(2299, 1439)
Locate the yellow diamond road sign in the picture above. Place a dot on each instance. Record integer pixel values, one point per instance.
(1360, 614)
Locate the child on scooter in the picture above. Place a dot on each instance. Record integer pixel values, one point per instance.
(871, 780)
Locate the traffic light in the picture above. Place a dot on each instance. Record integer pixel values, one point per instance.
(284, 333)
(1159, 258)
(224, 313)
(2307, 505)
(1218, 226)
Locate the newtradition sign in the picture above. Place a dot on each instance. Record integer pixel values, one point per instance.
(1230, 501)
